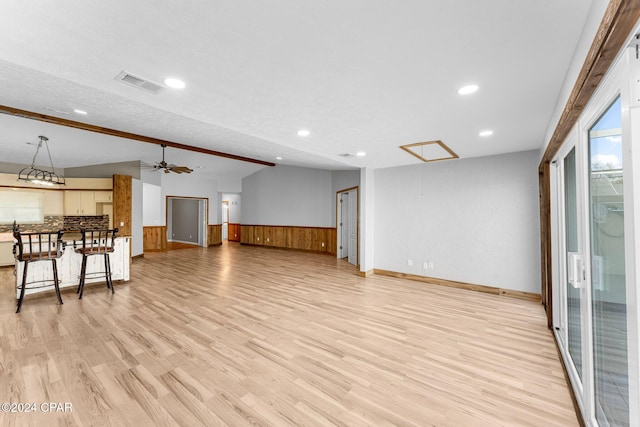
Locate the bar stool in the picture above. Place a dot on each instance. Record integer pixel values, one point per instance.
(96, 242)
(36, 247)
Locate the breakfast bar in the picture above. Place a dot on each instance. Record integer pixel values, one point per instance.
(69, 265)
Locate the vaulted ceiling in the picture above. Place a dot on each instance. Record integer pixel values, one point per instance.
(359, 75)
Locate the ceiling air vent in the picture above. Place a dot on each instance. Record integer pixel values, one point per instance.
(139, 82)
(345, 155)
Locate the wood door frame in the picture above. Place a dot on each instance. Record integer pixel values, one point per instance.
(618, 22)
(206, 204)
(346, 190)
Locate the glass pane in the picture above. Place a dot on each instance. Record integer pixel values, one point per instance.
(607, 269)
(574, 328)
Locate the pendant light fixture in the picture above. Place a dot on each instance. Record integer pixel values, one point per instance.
(35, 175)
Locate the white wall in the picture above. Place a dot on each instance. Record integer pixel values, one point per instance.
(190, 186)
(475, 219)
(598, 7)
(105, 170)
(136, 217)
(152, 205)
(288, 195)
(368, 220)
(230, 185)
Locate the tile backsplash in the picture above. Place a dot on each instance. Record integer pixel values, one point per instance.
(59, 222)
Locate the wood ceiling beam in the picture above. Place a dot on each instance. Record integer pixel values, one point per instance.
(121, 134)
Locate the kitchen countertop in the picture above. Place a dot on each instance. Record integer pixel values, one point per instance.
(68, 236)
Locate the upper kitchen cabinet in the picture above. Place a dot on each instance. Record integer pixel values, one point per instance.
(103, 196)
(79, 202)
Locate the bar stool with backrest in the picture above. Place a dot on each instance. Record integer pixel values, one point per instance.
(37, 247)
(96, 242)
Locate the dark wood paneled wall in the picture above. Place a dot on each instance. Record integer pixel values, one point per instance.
(154, 238)
(214, 234)
(234, 234)
(122, 204)
(316, 239)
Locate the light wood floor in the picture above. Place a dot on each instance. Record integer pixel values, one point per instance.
(237, 335)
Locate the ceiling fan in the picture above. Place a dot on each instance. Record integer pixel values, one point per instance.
(170, 167)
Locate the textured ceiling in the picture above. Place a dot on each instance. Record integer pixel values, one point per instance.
(361, 75)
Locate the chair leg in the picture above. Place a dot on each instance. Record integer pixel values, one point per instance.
(107, 269)
(55, 279)
(24, 281)
(83, 272)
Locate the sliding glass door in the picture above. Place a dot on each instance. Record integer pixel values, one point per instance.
(570, 250)
(597, 323)
(608, 284)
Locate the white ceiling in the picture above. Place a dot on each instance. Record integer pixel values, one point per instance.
(361, 75)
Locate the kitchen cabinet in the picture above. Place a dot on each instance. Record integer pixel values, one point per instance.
(79, 202)
(103, 196)
(6, 253)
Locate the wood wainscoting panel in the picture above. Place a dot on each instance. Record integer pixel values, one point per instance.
(313, 239)
(154, 238)
(234, 232)
(258, 235)
(214, 234)
(246, 234)
(332, 242)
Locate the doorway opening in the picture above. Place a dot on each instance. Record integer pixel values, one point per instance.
(347, 214)
(187, 221)
(225, 220)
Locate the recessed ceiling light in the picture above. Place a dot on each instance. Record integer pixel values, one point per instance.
(486, 133)
(304, 132)
(174, 83)
(75, 110)
(466, 90)
(361, 154)
(278, 158)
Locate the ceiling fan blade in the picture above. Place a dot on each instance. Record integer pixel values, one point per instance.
(181, 169)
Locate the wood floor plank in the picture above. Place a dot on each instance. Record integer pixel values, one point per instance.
(243, 335)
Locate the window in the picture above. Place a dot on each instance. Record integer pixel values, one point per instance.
(22, 206)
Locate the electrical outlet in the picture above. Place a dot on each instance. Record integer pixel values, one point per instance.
(430, 265)
(409, 262)
(323, 244)
(425, 266)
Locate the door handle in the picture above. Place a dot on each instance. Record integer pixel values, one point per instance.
(576, 271)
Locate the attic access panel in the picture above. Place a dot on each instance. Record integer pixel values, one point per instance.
(430, 151)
